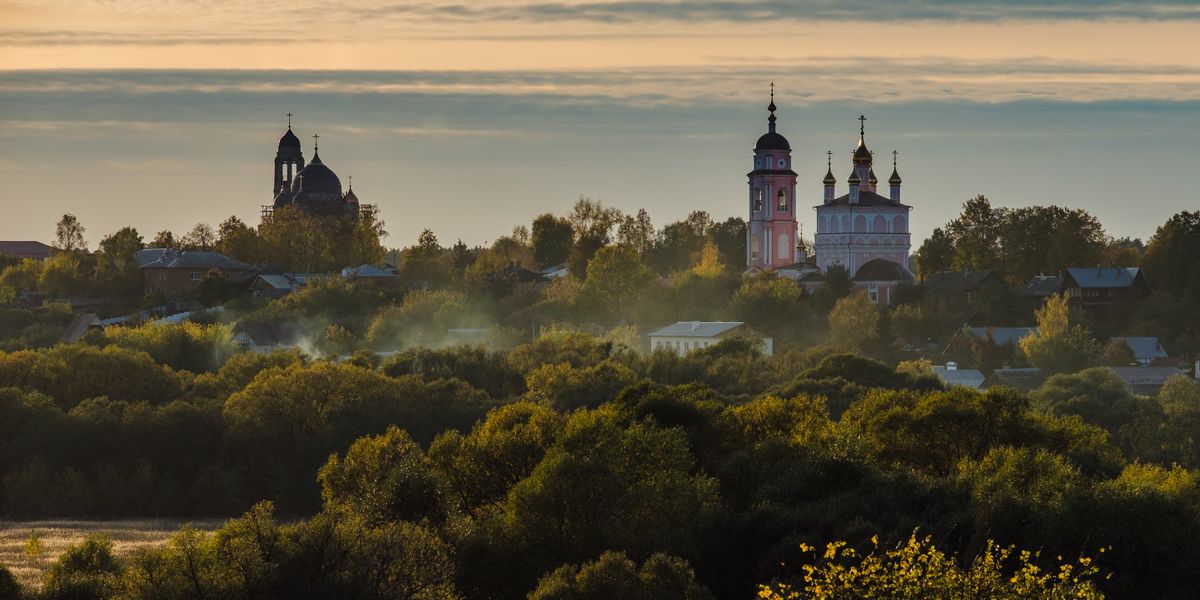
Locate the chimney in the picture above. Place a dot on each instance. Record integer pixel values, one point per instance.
(951, 366)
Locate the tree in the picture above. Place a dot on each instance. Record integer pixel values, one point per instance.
(976, 234)
(551, 240)
(637, 232)
(84, 570)
(592, 223)
(382, 479)
(201, 237)
(935, 254)
(1056, 346)
(1046, 239)
(730, 238)
(1170, 259)
(61, 275)
(854, 324)
(770, 303)
(709, 264)
(424, 264)
(615, 279)
(69, 234)
(236, 239)
(613, 575)
(1116, 353)
(164, 239)
(117, 269)
(837, 285)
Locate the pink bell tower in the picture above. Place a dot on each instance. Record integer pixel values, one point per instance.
(771, 230)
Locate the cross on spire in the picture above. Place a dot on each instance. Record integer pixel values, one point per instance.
(894, 155)
(772, 91)
(351, 182)
(829, 158)
(862, 125)
(316, 138)
(289, 120)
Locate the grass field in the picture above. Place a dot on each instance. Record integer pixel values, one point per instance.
(127, 536)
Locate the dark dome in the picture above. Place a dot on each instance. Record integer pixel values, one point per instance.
(829, 178)
(861, 153)
(895, 178)
(289, 141)
(772, 141)
(350, 197)
(882, 270)
(316, 178)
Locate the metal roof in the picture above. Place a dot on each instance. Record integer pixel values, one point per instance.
(1105, 277)
(25, 249)
(1002, 335)
(191, 259)
(971, 378)
(865, 198)
(697, 329)
(1144, 348)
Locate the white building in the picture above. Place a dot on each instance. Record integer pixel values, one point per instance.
(686, 336)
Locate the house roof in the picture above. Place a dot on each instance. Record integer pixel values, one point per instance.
(1025, 379)
(700, 329)
(80, 326)
(1144, 380)
(189, 259)
(1041, 286)
(1105, 277)
(1002, 335)
(25, 249)
(865, 198)
(971, 378)
(1144, 348)
(957, 282)
(367, 272)
(881, 269)
(270, 333)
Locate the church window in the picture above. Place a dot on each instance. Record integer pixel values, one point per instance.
(880, 225)
(845, 224)
(782, 163)
(758, 199)
(757, 163)
(898, 225)
(874, 295)
(782, 200)
(860, 224)
(754, 246)
(196, 275)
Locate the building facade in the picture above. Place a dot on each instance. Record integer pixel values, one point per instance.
(310, 187)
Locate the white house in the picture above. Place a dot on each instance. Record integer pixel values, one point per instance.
(686, 336)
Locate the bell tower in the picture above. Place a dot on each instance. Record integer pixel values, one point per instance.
(288, 161)
(771, 229)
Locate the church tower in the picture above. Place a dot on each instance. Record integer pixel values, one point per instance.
(771, 229)
(288, 161)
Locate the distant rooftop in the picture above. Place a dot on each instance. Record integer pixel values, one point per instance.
(697, 329)
(1104, 277)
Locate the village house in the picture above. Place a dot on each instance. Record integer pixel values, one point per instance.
(26, 249)
(951, 375)
(957, 290)
(1104, 288)
(169, 271)
(686, 336)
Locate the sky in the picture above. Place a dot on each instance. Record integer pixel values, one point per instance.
(469, 118)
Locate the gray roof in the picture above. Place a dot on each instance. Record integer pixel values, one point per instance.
(971, 378)
(882, 269)
(190, 259)
(865, 198)
(25, 249)
(367, 272)
(1105, 277)
(697, 329)
(1144, 380)
(1024, 379)
(81, 325)
(1041, 286)
(957, 282)
(1002, 335)
(1144, 348)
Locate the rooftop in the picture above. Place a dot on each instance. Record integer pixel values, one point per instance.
(697, 329)
(1105, 277)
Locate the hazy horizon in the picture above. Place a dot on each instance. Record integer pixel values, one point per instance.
(164, 114)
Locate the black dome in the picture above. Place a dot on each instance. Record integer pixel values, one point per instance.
(772, 141)
(289, 141)
(861, 153)
(882, 270)
(316, 178)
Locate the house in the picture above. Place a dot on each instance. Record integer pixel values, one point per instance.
(953, 376)
(82, 324)
(956, 290)
(880, 278)
(1104, 288)
(686, 336)
(277, 285)
(1144, 381)
(797, 271)
(23, 250)
(267, 336)
(1024, 379)
(169, 271)
(1146, 350)
(370, 273)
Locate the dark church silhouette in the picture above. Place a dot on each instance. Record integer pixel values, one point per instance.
(313, 187)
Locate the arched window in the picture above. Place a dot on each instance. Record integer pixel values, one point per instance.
(845, 224)
(860, 224)
(782, 204)
(754, 246)
(899, 225)
(785, 250)
(758, 199)
(880, 225)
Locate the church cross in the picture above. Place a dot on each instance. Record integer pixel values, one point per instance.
(289, 120)
(315, 139)
(894, 155)
(772, 91)
(829, 158)
(862, 125)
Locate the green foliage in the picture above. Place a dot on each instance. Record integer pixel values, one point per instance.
(303, 243)
(382, 478)
(567, 387)
(486, 370)
(85, 570)
(72, 374)
(184, 346)
(421, 319)
(613, 575)
(1057, 346)
(1170, 256)
(551, 238)
(559, 345)
(1096, 395)
(615, 279)
(854, 324)
(773, 305)
(10, 588)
